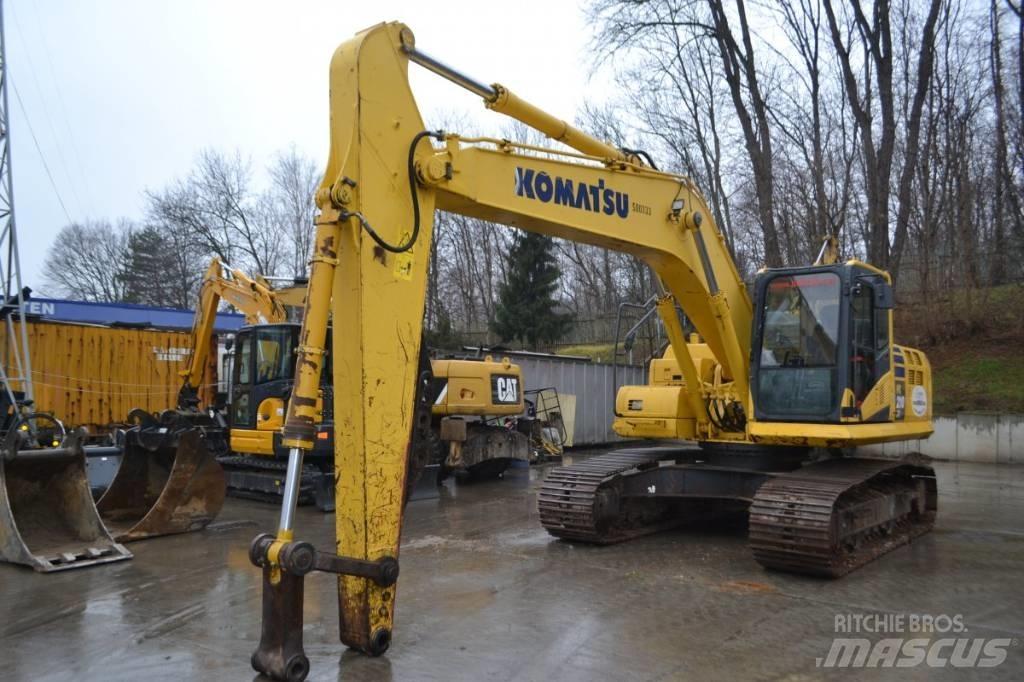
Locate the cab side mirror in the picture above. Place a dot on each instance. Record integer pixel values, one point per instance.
(884, 298)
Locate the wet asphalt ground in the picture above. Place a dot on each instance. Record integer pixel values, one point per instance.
(487, 594)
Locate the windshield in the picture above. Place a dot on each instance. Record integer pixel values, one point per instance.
(797, 378)
(274, 354)
(801, 325)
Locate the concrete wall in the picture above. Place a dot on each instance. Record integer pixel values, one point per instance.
(967, 437)
(590, 382)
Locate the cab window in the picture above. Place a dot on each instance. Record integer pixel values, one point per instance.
(799, 346)
(801, 326)
(274, 354)
(243, 359)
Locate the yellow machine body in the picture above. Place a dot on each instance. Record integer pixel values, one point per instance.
(269, 421)
(478, 388)
(661, 409)
(384, 180)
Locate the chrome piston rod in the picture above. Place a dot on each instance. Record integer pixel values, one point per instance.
(293, 478)
(498, 98)
(445, 71)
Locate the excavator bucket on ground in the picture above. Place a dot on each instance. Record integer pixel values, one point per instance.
(169, 480)
(47, 516)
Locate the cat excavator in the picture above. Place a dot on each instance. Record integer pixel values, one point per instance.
(760, 407)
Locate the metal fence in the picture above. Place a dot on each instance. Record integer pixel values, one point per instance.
(596, 329)
(590, 382)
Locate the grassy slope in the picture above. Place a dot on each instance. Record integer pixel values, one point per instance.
(978, 375)
(598, 352)
(975, 343)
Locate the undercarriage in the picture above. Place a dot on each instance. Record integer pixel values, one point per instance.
(483, 451)
(822, 514)
(262, 478)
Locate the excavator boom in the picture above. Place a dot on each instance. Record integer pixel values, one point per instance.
(254, 298)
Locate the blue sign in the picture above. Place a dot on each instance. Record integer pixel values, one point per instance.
(125, 314)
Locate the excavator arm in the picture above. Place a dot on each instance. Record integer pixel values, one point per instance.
(252, 297)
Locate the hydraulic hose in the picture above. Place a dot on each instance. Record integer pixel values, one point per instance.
(436, 134)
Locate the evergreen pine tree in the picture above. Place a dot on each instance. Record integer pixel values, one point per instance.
(161, 270)
(146, 276)
(526, 300)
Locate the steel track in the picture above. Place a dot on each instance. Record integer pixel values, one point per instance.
(571, 506)
(826, 518)
(833, 517)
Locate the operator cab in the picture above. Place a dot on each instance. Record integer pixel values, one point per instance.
(264, 367)
(821, 344)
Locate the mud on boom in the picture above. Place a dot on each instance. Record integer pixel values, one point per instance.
(810, 363)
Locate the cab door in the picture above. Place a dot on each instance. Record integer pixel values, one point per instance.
(797, 358)
(243, 412)
(869, 333)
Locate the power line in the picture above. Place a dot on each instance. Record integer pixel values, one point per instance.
(84, 177)
(42, 157)
(46, 115)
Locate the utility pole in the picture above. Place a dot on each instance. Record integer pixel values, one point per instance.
(16, 365)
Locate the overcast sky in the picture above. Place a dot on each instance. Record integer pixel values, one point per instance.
(123, 94)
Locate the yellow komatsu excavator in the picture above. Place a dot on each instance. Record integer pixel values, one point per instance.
(467, 395)
(759, 408)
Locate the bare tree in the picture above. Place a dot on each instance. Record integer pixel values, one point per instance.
(741, 73)
(289, 201)
(218, 207)
(1007, 196)
(647, 26)
(802, 23)
(876, 42)
(88, 261)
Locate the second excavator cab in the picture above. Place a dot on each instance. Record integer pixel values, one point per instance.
(261, 378)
